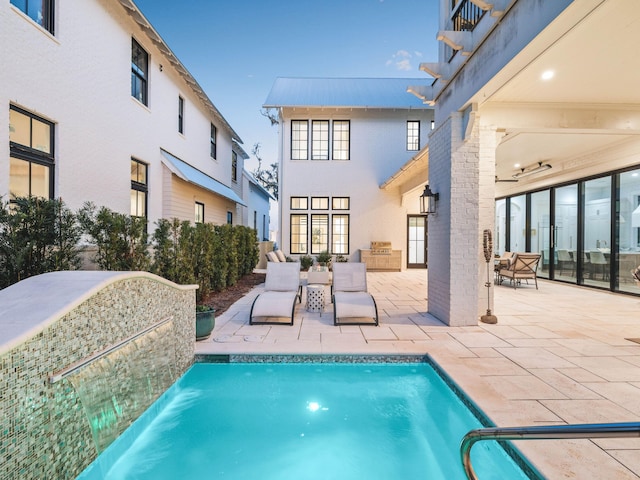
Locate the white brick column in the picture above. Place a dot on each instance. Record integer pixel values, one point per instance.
(463, 173)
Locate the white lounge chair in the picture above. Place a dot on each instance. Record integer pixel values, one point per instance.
(352, 303)
(278, 301)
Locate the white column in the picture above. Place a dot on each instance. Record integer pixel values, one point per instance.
(462, 172)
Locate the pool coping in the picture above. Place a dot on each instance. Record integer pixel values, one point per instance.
(525, 465)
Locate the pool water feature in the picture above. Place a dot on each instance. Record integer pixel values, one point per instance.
(303, 421)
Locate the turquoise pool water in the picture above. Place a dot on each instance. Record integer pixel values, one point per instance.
(302, 421)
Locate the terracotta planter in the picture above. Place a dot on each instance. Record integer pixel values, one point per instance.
(205, 321)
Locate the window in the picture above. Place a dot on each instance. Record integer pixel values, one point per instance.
(340, 234)
(255, 220)
(40, 11)
(199, 213)
(299, 234)
(31, 155)
(413, 135)
(299, 203)
(139, 188)
(319, 203)
(139, 72)
(214, 134)
(229, 218)
(320, 140)
(319, 233)
(340, 203)
(326, 233)
(234, 166)
(180, 114)
(299, 139)
(341, 140)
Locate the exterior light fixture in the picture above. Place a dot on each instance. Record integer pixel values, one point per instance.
(433, 124)
(525, 173)
(428, 201)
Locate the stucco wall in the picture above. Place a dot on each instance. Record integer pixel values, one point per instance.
(50, 322)
(377, 151)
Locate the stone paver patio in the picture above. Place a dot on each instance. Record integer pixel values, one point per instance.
(558, 355)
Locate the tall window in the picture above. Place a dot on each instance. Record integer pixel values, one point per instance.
(319, 140)
(234, 166)
(180, 114)
(31, 155)
(341, 140)
(139, 72)
(299, 140)
(319, 233)
(299, 232)
(40, 11)
(340, 234)
(413, 135)
(139, 188)
(229, 218)
(199, 212)
(214, 135)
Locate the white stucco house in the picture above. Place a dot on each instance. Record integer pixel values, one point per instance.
(98, 108)
(341, 140)
(537, 138)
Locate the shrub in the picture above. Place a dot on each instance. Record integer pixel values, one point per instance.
(36, 236)
(121, 239)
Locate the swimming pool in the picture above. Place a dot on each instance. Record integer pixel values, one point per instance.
(303, 421)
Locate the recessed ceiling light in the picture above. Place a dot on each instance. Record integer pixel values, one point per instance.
(516, 165)
(548, 74)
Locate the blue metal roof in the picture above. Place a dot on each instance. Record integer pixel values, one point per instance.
(346, 92)
(190, 174)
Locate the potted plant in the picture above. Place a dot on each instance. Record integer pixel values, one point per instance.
(306, 261)
(324, 259)
(205, 321)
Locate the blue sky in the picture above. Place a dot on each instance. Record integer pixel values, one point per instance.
(236, 48)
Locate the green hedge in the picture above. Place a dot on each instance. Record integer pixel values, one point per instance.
(38, 236)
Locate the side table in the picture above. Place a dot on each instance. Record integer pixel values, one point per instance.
(315, 298)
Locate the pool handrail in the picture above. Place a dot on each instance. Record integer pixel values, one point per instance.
(545, 432)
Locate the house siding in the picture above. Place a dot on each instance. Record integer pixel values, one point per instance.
(81, 80)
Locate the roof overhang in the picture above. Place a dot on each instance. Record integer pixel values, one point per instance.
(413, 173)
(134, 12)
(186, 172)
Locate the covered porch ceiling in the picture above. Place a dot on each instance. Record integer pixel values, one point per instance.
(591, 100)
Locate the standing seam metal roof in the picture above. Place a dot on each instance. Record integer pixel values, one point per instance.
(346, 92)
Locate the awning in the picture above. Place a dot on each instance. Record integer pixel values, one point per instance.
(190, 174)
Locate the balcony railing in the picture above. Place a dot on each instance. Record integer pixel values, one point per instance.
(464, 18)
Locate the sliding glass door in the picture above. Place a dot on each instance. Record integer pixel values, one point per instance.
(597, 232)
(629, 230)
(565, 233)
(540, 231)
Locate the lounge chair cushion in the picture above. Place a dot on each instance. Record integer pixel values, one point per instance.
(280, 256)
(274, 304)
(281, 289)
(272, 257)
(354, 305)
(351, 278)
(282, 277)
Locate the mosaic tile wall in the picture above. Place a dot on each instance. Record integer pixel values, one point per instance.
(44, 430)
